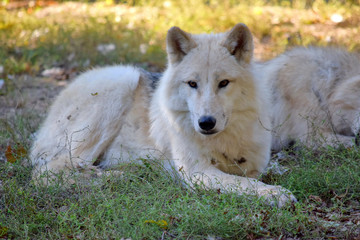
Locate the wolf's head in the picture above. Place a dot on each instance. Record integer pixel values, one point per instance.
(208, 78)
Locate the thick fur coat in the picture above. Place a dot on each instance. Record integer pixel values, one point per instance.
(315, 97)
(208, 117)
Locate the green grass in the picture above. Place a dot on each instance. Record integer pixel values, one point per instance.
(145, 202)
(332, 174)
(68, 35)
(137, 203)
(132, 205)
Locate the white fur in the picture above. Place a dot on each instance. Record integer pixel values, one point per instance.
(315, 95)
(85, 118)
(114, 114)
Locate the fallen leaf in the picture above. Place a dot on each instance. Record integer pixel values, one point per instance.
(315, 198)
(14, 154)
(161, 223)
(9, 155)
(53, 72)
(59, 74)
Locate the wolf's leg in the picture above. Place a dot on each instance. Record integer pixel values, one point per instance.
(202, 172)
(215, 179)
(325, 139)
(344, 106)
(75, 150)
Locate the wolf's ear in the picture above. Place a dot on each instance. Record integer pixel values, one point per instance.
(239, 42)
(178, 44)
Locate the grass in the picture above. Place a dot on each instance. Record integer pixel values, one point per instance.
(145, 203)
(30, 44)
(331, 174)
(141, 204)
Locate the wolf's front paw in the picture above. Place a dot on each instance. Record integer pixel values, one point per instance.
(276, 195)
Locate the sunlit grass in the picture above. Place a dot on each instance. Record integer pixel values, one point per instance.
(77, 36)
(143, 202)
(69, 34)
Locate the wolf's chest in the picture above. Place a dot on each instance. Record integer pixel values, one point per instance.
(233, 164)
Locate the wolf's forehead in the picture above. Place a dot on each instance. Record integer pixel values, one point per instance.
(213, 63)
(209, 42)
(210, 46)
(210, 52)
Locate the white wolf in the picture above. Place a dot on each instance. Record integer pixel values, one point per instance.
(208, 115)
(315, 97)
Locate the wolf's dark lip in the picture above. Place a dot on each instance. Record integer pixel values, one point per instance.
(208, 132)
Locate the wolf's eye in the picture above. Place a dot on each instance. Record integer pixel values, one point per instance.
(192, 84)
(223, 83)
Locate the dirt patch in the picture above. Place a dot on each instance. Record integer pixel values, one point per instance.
(23, 106)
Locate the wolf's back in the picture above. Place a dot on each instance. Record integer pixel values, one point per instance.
(315, 96)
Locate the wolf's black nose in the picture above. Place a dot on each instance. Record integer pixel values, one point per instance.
(207, 123)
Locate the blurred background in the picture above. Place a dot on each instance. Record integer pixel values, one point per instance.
(73, 35)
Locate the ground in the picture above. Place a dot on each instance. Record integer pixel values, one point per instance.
(39, 59)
